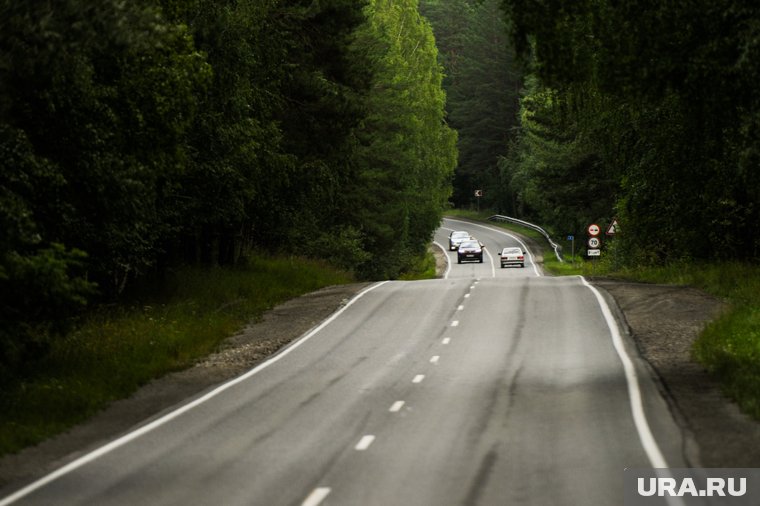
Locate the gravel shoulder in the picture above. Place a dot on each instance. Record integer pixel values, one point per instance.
(663, 320)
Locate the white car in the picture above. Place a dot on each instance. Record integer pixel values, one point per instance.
(512, 256)
(456, 238)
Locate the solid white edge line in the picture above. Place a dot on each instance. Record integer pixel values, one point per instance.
(637, 408)
(648, 442)
(117, 443)
(317, 496)
(493, 267)
(495, 229)
(448, 260)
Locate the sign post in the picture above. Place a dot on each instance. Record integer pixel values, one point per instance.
(594, 243)
(572, 250)
(478, 194)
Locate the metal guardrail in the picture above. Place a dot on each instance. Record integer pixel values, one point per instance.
(557, 248)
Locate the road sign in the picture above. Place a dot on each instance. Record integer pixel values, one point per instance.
(478, 193)
(570, 237)
(594, 242)
(613, 228)
(594, 230)
(594, 252)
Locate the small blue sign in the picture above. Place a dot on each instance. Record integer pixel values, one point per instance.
(570, 237)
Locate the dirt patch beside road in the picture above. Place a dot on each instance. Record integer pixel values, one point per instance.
(665, 321)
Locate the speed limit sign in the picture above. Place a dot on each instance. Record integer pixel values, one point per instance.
(594, 242)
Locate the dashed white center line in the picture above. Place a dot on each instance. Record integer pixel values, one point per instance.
(317, 496)
(460, 308)
(446, 340)
(396, 407)
(435, 359)
(418, 378)
(455, 323)
(467, 296)
(364, 443)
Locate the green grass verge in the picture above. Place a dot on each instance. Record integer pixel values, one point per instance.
(422, 268)
(117, 349)
(729, 347)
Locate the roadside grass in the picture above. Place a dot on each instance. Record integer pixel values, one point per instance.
(422, 268)
(728, 347)
(117, 349)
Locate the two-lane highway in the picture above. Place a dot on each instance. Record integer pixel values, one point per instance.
(492, 387)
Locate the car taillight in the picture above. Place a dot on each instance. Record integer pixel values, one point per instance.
(521, 258)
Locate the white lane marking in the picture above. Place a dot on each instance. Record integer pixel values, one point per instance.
(497, 230)
(639, 418)
(446, 340)
(455, 323)
(460, 308)
(448, 261)
(467, 296)
(117, 443)
(435, 359)
(493, 266)
(418, 378)
(396, 407)
(364, 443)
(317, 496)
(472, 287)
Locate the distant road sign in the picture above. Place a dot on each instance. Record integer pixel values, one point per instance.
(594, 230)
(613, 228)
(570, 237)
(478, 193)
(594, 252)
(594, 242)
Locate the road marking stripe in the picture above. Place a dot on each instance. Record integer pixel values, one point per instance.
(418, 378)
(117, 443)
(455, 323)
(460, 308)
(435, 359)
(467, 296)
(446, 340)
(637, 408)
(317, 496)
(364, 443)
(397, 406)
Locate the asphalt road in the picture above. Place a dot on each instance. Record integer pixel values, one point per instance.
(489, 387)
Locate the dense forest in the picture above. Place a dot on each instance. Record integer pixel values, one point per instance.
(483, 84)
(647, 111)
(139, 136)
(643, 111)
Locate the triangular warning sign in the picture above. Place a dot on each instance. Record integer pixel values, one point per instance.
(614, 228)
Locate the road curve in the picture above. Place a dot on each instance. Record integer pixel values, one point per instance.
(491, 387)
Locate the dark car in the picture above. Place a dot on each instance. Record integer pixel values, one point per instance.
(470, 251)
(456, 238)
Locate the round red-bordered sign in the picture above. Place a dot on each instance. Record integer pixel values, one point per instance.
(594, 230)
